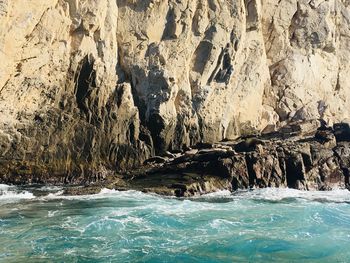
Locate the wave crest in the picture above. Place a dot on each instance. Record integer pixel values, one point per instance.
(10, 193)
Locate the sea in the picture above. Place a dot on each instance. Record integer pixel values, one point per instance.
(40, 224)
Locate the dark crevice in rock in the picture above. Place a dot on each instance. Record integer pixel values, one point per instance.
(212, 5)
(224, 69)
(156, 125)
(250, 169)
(125, 76)
(131, 131)
(119, 96)
(85, 81)
(146, 137)
(215, 73)
(251, 15)
(337, 86)
(234, 40)
(342, 132)
(201, 55)
(139, 103)
(170, 27)
(294, 170)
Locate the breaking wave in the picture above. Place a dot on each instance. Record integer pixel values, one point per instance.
(262, 225)
(13, 194)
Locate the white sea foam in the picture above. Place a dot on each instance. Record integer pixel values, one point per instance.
(218, 194)
(60, 195)
(52, 213)
(54, 195)
(4, 187)
(280, 194)
(104, 193)
(12, 194)
(51, 188)
(223, 224)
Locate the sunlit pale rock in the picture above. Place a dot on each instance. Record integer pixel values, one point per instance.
(90, 86)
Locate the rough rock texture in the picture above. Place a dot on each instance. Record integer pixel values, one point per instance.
(303, 158)
(63, 117)
(88, 87)
(306, 162)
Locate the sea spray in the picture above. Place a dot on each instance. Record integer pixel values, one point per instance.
(275, 225)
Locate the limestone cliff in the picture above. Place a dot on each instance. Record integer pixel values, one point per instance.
(88, 87)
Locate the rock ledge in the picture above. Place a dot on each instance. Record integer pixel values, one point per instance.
(304, 160)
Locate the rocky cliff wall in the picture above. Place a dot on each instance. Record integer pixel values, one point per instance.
(87, 87)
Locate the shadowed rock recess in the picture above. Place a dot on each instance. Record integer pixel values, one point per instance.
(90, 90)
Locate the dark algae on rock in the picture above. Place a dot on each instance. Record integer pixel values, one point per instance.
(298, 161)
(306, 160)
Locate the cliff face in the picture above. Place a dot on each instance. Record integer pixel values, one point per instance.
(87, 87)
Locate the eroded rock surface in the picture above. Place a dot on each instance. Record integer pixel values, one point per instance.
(91, 87)
(293, 160)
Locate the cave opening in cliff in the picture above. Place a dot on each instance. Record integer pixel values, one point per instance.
(86, 79)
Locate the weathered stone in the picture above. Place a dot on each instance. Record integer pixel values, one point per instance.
(342, 132)
(326, 137)
(90, 86)
(300, 164)
(155, 159)
(239, 173)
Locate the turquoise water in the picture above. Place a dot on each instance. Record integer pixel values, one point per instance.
(269, 225)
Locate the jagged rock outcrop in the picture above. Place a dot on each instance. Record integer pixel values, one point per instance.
(304, 159)
(311, 162)
(90, 87)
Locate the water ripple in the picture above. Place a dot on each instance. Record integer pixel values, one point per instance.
(268, 225)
